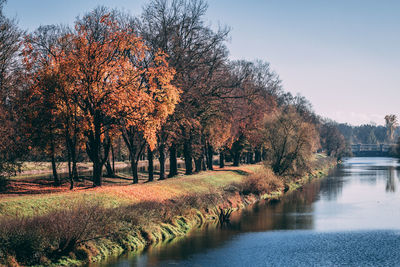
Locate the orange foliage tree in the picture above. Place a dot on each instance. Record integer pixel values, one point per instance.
(104, 69)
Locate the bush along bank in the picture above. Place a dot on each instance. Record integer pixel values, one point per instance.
(88, 232)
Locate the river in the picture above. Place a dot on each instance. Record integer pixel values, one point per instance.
(350, 218)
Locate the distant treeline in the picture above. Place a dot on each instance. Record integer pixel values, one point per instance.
(366, 134)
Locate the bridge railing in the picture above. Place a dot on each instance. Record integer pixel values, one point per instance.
(371, 147)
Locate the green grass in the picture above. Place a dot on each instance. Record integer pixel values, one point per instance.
(114, 196)
(28, 206)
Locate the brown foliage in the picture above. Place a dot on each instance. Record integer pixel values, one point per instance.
(290, 143)
(261, 182)
(33, 240)
(55, 234)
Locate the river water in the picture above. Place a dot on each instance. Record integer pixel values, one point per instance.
(350, 218)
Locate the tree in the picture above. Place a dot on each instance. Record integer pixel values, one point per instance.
(290, 142)
(196, 52)
(104, 67)
(9, 46)
(252, 100)
(391, 124)
(11, 147)
(52, 117)
(332, 140)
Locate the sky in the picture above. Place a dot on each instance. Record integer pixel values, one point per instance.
(342, 55)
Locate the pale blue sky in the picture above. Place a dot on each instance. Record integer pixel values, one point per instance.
(343, 55)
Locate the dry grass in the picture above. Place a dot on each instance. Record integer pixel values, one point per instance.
(45, 239)
(36, 240)
(262, 181)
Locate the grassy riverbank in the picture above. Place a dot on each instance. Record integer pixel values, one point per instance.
(71, 228)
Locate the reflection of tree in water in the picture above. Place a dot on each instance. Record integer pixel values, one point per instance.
(390, 182)
(332, 186)
(398, 172)
(294, 211)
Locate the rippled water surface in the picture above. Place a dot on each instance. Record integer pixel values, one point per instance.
(350, 218)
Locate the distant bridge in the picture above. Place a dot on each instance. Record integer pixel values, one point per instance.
(371, 150)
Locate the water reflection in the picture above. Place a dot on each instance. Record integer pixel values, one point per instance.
(361, 194)
(391, 182)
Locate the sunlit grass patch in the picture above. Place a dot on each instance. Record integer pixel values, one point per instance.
(42, 204)
(114, 196)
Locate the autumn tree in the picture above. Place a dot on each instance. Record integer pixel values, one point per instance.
(52, 115)
(41, 111)
(106, 70)
(332, 140)
(253, 99)
(196, 52)
(11, 146)
(290, 142)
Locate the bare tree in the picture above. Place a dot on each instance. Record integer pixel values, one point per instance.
(9, 46)
(10, 138)
(391, 124)
(196, 52)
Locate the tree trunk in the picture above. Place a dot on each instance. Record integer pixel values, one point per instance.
(75, 170)
(134, 169)
(54, 166)
(173, 164)
(151, 165)
(221, 159)
(263, 155)
(98, 149)
(135, 143)
(69, 165)
(249, 157)
(207, 161)
(236, 159)
(257, 156)
(97, 173)
(70, 175)
(197, 164)
(113, 158)
(187, 153)
(71, 145)
(210, 153)
(110, 172)
(161, 159)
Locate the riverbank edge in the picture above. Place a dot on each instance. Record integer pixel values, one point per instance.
(135, 240)
(156, 235)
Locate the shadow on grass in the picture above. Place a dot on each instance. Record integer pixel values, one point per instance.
(241, 172)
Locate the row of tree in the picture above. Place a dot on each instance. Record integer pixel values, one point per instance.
(369, 133)
(159, 83)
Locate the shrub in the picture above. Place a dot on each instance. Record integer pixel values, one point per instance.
(33, 241)
(147, 212)
(53, 235)
(261, 182)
